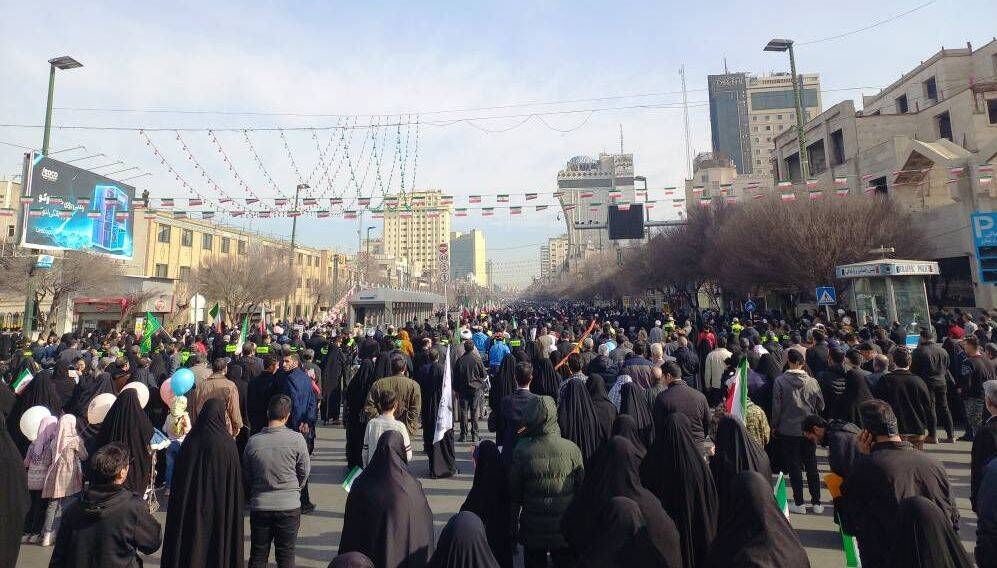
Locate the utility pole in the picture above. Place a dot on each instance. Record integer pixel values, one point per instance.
(294, 240)
(685, 117)
(801, 137)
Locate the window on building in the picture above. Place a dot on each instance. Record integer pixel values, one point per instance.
(184, 273)
(837, 148)
(767, 127)
(768, 117)
(992, 110)
(207, 241)
(902, 104)
(879, 184)
(242, 247)
(226, 244)
(792, 168)
(10, 230)
(164, 234)
(768, 138)
(300, 261)
(779, 116)
(944, 122)
(754, 119)
(187, 238)
(817, 157)
(771, 100)
(162, 271)
(754, 129)
(931, 89)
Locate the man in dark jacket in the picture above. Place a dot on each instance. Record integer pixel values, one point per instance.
(304, 412)
(545, 474)
(931, 362)
(512, 412)
(682, 398)
(838, 437)
(259, 392)
(637, 366)
(688, 362)
(469, 384)
(602, 365)
(251, 365)
(891, 472)
(110, 525)
(817, 356)
(908, 396)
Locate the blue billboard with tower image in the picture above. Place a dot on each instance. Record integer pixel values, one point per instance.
(69, 208)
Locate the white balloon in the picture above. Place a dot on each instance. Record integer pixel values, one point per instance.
(99, 406)
(141, 389)
(32, 419)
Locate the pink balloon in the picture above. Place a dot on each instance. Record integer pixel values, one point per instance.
(166, 393)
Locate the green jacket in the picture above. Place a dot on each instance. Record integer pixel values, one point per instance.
(545, 474)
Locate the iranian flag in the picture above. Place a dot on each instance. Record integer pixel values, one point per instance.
(785, 183)
(531, 196)
(788, 197)
(22, 380)
(460, 212)
(737, 393)
(444, 412)
(586, 194)
(502, 198)
(840, 180)
(474, 199)
(780, 494)
(842, 192)
(811, 183)
(243, 333)
(263, 320)
(758, 196)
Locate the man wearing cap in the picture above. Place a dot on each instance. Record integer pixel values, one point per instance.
(890, 472)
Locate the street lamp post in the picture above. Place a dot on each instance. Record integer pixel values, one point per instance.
(801, 137)
(65, 62)
(294, 238)
(366, 268)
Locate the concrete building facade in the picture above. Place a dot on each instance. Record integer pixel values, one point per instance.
(586, 187)
(468, 257)
(415, 229)
(747, 112)
(928, 140)
(553, 256)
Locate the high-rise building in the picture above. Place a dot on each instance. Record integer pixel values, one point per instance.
(468, 257)
(747, 112)
(586, 188)
(417, 227)
(553, 255)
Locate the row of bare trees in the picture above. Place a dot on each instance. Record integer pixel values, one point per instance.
(764, 246)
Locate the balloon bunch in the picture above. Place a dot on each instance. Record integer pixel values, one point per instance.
(178, 385)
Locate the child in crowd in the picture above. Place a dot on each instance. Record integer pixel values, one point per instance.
(177, 426)
(64, 480)
(386, 404)
(37, 462)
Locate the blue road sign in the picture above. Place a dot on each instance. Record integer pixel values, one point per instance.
(750, 306)
(826, 296)
(985, 241)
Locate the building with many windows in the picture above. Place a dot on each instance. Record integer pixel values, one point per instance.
(928, 140)
(747, 112)
(553, 256)
(468, 256)
(415, 229)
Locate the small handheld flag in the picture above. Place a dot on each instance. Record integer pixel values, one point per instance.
(22, 380)
(780, 494)
(350, 477)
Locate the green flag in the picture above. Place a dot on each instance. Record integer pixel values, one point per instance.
(22, 380)
(350, 477)
(152, 325)
(780, 494)
(851, 549)
(213, 312)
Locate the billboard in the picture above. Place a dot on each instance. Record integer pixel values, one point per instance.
(69, 208)
(626, 223)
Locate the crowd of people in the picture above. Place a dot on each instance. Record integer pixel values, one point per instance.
(618, 439)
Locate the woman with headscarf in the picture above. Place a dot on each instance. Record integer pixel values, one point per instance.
(463, 544)
(91, 384)
(769, 367)
(577, 420)
(925, 538)
(387, 516)
(633, 404)
(406, 343)
(442, 458)
(489, 500)
(204, 523)
(37, 462)
(626, 427)
(14, 497)
(64, 479)
(615, 473)
(986, 520)
(545, 379)
(735, 452)
(503, 385)
(39, 392)
(353, 411)
(614, 391)
(756, 534)
(675, 471)
(605, 412)
(127, 423)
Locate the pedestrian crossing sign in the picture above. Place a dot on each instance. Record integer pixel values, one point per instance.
(826, 296)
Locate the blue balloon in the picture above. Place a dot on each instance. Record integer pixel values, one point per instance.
(182, 381)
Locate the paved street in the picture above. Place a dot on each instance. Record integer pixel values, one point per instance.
(318, 539)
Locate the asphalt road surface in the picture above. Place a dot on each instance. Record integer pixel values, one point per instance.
(318, 538)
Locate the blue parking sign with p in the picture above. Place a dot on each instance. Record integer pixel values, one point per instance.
(985, 242)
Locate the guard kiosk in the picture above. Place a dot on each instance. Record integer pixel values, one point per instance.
(373, 307)
(888, 290)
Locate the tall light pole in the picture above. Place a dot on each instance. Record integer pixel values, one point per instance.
(65, 62)
(294, 238)
(366, 268)
(801, 137)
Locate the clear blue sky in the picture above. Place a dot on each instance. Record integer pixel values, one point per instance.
(358, 58)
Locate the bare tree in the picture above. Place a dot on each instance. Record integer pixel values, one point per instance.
(249, 280)
(74, 273)
(133, 304)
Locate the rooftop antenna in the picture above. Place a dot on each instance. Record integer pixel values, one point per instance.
(725, 66)
(685, 116)
(621, 138)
